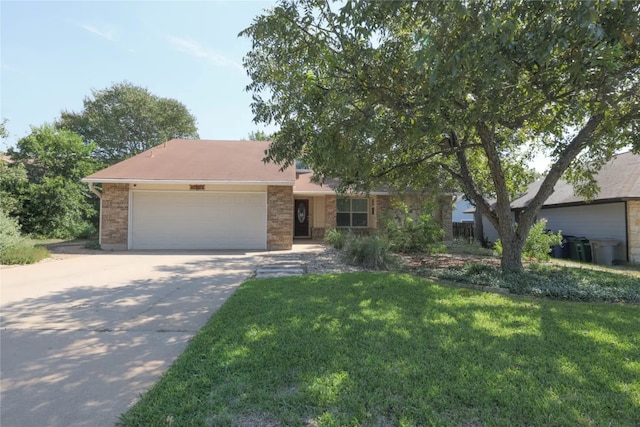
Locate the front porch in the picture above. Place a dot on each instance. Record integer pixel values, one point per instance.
(314, 214)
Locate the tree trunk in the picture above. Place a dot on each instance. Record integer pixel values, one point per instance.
(511, 261)
(478, 227)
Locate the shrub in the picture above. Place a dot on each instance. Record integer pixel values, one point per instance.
(15, 249)
(9, 232)
(373, 251)
(85, 230)
(538, 243)
(555, 282)
(335, 238)
(406, 234)
(23, 254)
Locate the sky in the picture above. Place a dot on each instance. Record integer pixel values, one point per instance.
(54, 53)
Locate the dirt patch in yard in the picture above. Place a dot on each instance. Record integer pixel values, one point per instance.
(418, 261)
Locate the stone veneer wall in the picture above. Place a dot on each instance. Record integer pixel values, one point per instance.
(383, 203)
(633, 229)
(330, 211)
(446, 217)
(114, 227)
(279, 217)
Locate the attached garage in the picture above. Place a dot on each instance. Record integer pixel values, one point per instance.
(196, 194)
(197, 220)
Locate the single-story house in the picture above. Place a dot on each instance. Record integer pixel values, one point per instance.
(613, 214)
(462, 209)
(202, 194)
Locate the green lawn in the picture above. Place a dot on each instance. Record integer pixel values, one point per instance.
(388, 349)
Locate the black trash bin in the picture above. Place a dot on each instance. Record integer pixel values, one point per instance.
(561, 250)
(565, 248)
(557, 251)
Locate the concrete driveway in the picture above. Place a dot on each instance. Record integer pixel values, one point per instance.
(82, 337)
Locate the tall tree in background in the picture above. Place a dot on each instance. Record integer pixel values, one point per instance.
(124, 120)
(51, 201)
(13, 180)
(259, 135)
(404, 91)
(4, 133)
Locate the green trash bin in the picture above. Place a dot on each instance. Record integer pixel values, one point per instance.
(573, 252)
(583, 249)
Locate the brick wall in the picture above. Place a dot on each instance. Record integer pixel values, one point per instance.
(633, 227)
(279, 217)
(115, 216)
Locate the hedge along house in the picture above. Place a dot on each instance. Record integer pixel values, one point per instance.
(613, 214)
(200, 194)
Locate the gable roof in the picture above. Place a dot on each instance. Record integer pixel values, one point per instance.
(198, 161)
(619, 179)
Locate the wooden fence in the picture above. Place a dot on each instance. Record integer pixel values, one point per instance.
(463, 230)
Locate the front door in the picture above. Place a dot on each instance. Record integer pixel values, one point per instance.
(301, 218)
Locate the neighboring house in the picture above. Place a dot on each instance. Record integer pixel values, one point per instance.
(613, 214)
(461, 209)
(197, 194)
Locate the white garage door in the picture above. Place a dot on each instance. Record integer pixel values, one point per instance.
(198, 220)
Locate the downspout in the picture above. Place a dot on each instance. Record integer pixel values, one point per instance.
(95, 191)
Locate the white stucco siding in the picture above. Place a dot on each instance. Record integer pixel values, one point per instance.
(603, 221)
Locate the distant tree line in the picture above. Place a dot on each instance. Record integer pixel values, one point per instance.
(40, 178)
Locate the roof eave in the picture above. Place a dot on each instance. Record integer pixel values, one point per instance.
(333, 193)
(182, 181)
(579, 203)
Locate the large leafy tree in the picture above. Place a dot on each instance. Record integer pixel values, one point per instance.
(125, 119)
(404, 92)
(43, 182)
(258, 135)
(12, 179)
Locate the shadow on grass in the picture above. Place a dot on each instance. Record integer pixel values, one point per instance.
(383, 349)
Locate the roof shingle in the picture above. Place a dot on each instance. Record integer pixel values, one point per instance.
(618, 179)
(199, 161)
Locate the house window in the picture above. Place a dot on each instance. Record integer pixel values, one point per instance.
(352, 212)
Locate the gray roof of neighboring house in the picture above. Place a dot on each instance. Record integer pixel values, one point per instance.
(619, 179)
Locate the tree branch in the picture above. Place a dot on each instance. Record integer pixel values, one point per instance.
(571, 151)
(503, 203)
(406, 164)
(466, 179)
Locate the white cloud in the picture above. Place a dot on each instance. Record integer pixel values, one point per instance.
(197, 51)
(105, 34)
